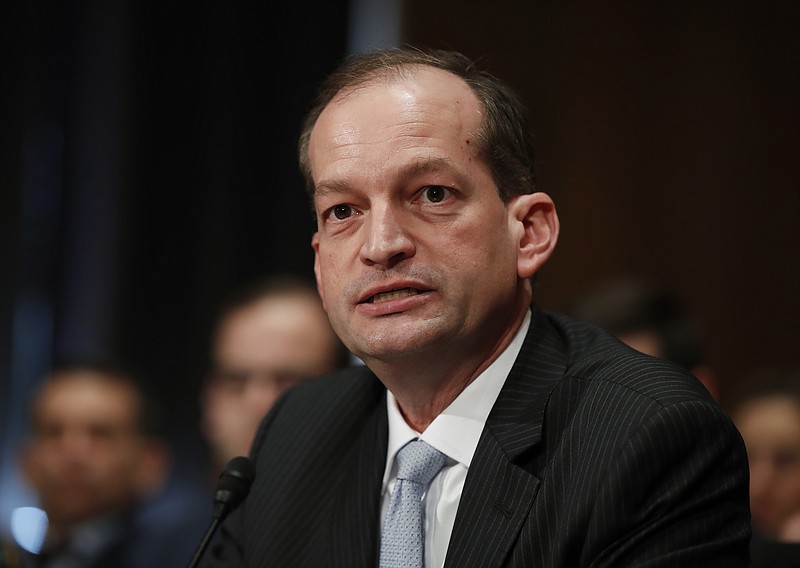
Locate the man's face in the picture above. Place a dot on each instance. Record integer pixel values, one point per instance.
(85, 455)
(414, 253)
(771, 431)
(260, 351)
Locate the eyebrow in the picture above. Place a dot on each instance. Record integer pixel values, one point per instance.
(431, 165)
(327, 187)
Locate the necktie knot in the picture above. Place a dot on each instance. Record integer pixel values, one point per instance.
(418, 462)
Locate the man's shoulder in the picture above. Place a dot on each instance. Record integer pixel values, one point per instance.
(603, 362)
(348, 386)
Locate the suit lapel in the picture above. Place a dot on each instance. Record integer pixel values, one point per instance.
(499, 490)
(357, 506)
(496, 500)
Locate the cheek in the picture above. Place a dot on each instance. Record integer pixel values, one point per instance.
(52, 459)
(482, 253)
(260, 399)
(326, 267)
(331, 280)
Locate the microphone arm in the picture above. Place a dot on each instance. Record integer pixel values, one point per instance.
(233, 486)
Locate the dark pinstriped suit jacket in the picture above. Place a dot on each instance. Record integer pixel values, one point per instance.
(593, 455)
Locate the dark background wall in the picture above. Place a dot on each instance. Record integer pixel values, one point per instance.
(214, 197)
(148, 166)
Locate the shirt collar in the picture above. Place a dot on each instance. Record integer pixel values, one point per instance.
(457, 430)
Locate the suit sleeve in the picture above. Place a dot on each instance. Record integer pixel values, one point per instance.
(676, 496)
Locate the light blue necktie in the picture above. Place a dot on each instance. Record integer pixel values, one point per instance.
(403, 540)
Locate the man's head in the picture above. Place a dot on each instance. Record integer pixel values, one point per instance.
(768, 417)
(419, 252)
(502, 139)
(268, 337)
(92, 450)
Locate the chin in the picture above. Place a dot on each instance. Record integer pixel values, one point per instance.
(396, 348)
(393, 337)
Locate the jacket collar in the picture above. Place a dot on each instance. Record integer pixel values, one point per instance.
(516, 418)
(499, 491)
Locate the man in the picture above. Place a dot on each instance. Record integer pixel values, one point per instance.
(552, 444)
(269, 336)
(768, 416)
(93, 457)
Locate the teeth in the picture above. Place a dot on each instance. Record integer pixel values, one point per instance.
(393, 295)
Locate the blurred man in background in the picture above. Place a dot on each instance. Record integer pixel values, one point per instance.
(268, 337)
(768, 416)
(94, 458)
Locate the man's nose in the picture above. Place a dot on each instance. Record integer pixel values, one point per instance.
(387, 241)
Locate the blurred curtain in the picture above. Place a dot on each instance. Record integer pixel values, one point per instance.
(148, 167)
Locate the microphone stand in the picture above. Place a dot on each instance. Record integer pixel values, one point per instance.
(204, 543)
(233, 486)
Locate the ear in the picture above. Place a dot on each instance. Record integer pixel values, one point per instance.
(315, 246)
(534, 223)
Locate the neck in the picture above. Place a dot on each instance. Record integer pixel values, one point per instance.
(425, 385)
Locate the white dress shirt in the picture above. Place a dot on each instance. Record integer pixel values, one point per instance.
(455, 433)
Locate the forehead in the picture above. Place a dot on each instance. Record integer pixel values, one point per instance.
(86, 397)
(434, 84)
(275, 327)
(766, 417)
(421, 102)
(273, 315)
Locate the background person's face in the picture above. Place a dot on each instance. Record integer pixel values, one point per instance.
(260, 351)
(85, 454)
(771, 431)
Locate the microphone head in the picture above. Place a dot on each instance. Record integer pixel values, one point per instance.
(233, 485)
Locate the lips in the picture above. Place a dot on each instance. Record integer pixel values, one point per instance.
(392, 295)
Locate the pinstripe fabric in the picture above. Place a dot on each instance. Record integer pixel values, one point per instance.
(593, 455)
(632, 463)
(334, 429)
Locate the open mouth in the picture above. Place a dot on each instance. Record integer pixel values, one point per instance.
(393, 295)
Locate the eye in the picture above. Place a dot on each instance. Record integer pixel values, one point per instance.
(51, 431)
(341, 212)
(785, 459)
(435, 193)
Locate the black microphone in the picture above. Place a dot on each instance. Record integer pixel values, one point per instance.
(233, 486)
